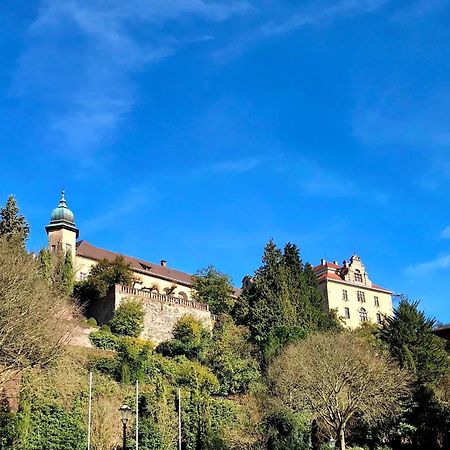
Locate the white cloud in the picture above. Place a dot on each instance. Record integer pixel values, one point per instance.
(317, 13)
(82, 55)
(445, 233)
(442, 262)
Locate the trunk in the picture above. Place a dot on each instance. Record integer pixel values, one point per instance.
(341, 438)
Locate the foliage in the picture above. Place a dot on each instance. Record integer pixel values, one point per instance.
(408, 335)
(128, 319)
(283, 303)
(231, 358)
(57, 269)
(13, 226)
(35, 320)
(102, 277)
(336, 376)
(190, 339)
(104, 339)
(288, 431)
(215, 289)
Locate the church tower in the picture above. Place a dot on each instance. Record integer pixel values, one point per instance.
(61, 231)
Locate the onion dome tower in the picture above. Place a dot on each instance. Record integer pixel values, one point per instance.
(62, 232)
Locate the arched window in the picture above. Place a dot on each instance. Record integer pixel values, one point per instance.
(358, 276)
(363, 315)
(183, 295)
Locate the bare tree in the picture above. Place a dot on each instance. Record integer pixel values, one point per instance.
(336, 376)
(35, 321)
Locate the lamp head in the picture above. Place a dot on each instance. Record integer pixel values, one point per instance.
(125, 413)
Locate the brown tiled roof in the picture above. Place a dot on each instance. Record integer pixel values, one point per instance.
(139, 265)
(443, 332)
(87, 250)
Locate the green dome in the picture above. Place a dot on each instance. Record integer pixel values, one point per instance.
(62, 213)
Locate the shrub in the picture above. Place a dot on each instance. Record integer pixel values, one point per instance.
(91, 322)
(104, 340)
(128, 319)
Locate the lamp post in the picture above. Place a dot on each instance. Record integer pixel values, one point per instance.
(125, 413)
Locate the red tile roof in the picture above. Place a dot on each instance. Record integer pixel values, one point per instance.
(328, 271)
(87, 250)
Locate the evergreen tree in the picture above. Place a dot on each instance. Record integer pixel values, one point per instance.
(12, 224)
(409, 338)
(45, 264)
(283, 303)
(67, 274)
(408, 334)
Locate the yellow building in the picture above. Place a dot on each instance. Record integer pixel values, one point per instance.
(166, 294)
(348, 289)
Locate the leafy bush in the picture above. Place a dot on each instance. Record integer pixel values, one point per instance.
(190, 339)
(104, 340)
(128, 319)
(91, 322)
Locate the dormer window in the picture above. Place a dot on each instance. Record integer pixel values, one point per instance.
(358, 276)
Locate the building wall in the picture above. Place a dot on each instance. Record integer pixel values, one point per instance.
(59, 239)
(84, 265)
(162, 312)
(333, 291)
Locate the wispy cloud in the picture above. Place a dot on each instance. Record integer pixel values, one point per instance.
(81, 58)
(317, 13)
(441, 262)
(119, 209)
(232, 166)
(445, 233)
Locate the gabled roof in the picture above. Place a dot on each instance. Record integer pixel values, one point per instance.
(332, 272)
(87, 250)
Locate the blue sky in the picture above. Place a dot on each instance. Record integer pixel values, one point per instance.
(196, 130)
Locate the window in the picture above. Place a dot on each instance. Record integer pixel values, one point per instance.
(363, 315)
(347, 313)
(358, 276)
(361, 296)
(68, 248)
(53, 248)
(379, 319)
(344, 295)
(376, 301)
(83, 276)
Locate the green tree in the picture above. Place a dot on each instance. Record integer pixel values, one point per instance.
(215, 289)
(12, 224)
(102, 278)
(45, 264)
(128, 319)
(67, 274)
(408, 334)
(283, 303)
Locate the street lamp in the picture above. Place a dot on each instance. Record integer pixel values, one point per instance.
(125, 414)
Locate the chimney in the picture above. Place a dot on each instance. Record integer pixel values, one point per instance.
(323, 262)
(335, 262)
(163, 262)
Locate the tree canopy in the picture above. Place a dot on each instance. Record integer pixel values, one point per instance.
(215, 289)
(336, 376)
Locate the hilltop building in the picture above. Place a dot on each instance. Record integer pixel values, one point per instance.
(348, 289)
(166, 293)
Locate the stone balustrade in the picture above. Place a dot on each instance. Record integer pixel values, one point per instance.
(128, 290)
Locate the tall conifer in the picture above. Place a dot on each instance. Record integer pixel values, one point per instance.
(12, 224)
